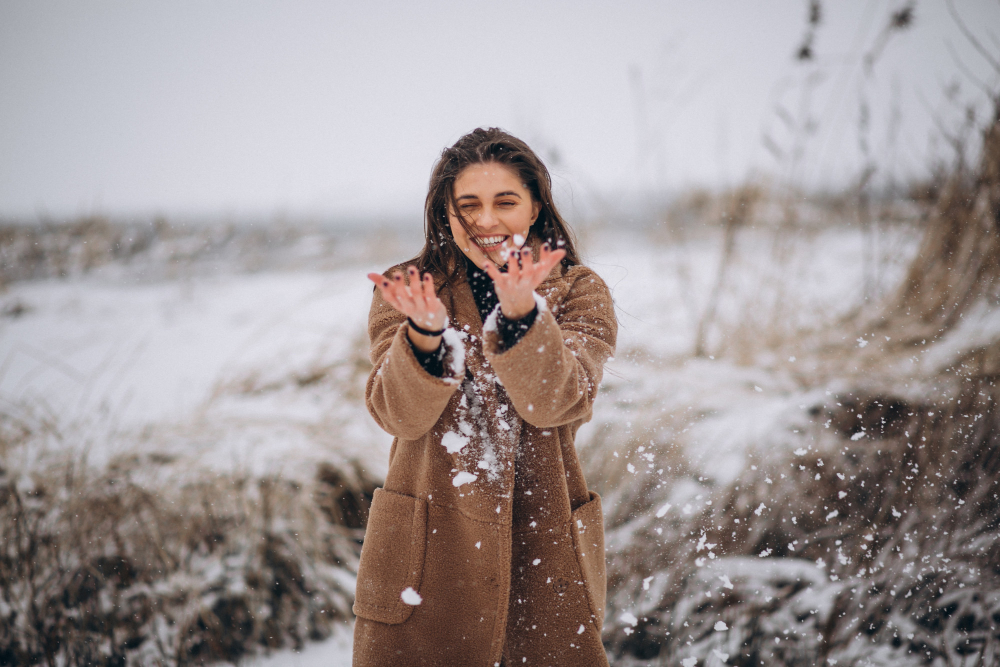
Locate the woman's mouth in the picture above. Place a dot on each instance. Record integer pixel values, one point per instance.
(491, 242)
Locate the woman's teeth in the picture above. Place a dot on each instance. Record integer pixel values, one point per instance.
(490, 242)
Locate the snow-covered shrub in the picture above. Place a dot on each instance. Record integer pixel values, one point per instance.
(141, 563)
(880, 549)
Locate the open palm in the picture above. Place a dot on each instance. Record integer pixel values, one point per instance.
(515, 289)
(417, 300)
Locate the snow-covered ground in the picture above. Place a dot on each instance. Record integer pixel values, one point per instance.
(165, 359)
(332, 652)
(263, 372)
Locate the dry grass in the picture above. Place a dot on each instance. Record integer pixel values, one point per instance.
(878, 542)
(905, 523)
(765, 242)
(139, 563)
(161, 249)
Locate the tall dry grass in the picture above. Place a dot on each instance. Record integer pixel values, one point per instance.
(879, 542)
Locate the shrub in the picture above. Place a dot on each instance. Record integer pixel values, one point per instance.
(121, 566)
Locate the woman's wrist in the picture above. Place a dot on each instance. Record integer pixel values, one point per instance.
(423, 343)
(515, 311)
(423, 330)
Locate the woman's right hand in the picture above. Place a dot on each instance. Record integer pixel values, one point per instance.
(417, 301)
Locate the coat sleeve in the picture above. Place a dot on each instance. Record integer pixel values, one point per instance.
(552, 374)
(405, 399)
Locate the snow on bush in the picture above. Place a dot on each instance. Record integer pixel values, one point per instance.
(885, 550)
(141, 563)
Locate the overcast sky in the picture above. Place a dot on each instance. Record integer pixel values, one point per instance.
(341, 108)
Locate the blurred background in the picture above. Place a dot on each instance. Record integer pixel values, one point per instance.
(795, 203)
(337, 110)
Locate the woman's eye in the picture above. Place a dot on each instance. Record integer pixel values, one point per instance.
(508, 204)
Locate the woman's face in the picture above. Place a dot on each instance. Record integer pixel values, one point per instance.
(496, 207)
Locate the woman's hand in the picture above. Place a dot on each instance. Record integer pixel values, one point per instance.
(516, 288)
(417, 301)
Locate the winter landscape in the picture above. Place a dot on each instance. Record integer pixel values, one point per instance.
(797, 441)
(188, 460)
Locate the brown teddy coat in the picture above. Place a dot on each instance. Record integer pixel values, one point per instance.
(485, 546)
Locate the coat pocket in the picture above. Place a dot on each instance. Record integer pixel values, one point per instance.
(392, 558)
(588, 539)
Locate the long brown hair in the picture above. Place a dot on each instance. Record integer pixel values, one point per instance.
(440, 253)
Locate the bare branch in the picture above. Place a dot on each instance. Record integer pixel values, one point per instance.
(976, 44)
(950, 138)
(993, 38)
(968, 72)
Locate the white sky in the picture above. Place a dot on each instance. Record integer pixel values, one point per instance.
(341, 108)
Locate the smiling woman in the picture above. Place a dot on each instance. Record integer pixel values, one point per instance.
(486, 547)
(500, 208)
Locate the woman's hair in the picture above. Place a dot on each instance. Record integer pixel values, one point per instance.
(440, 253)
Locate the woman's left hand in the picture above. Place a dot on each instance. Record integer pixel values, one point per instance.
(515, 288)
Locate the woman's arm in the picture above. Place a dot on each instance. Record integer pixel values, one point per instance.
(552, 374)
(402, 397)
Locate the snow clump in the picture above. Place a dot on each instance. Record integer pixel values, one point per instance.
(453, 339)
(453, 442)
(464, 478)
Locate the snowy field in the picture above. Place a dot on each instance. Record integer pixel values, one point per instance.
(261, 372)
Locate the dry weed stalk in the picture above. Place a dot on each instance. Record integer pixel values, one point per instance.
(959, 260)
(739, 210)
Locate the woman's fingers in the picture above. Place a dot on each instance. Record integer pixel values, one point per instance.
(413, 286)
(393, 291)
(426, 285)
(402, 293)
(417, 300)
(547, 259)
(492, 271)
(533, 273)
(380, 281)
(385, 286)
(513, 266)
(554, 258)
(526, 259)
(433, 310)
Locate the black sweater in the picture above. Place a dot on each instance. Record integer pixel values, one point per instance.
(511, 331)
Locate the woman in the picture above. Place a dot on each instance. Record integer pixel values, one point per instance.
(485, 547)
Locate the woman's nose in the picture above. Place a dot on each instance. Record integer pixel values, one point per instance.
(487, 220)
